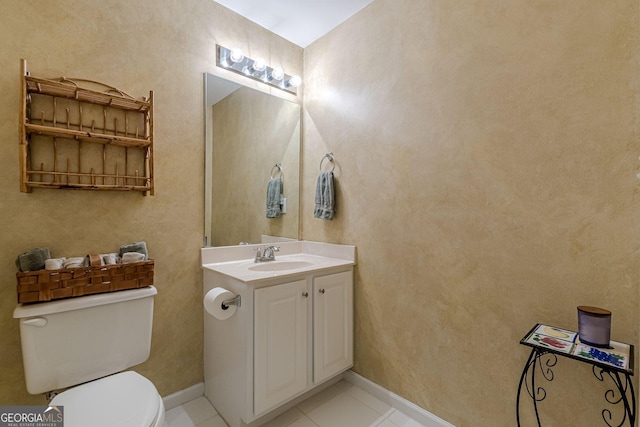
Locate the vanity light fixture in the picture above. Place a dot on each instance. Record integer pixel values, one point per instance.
(259, 64)
(257, 69)
(236, 55)
(276, 74)
(295, 81)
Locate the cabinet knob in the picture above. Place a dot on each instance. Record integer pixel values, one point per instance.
(321, 291)
(305, 294)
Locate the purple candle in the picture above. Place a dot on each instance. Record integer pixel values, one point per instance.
(594, 326)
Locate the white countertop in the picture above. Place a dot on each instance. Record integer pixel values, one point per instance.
(303, 257)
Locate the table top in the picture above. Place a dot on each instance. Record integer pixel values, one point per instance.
(617, 357)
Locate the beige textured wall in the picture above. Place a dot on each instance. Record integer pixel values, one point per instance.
(253, 131)
(487, 156)
(164, 46)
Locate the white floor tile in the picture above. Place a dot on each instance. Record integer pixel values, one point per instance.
(285, 419)
(372, 402)
(213, 422)
(303, 422)
(398, 418)
(174, 413)
(199, 410)
(177, 417)
(339, 405)
(411, 423)
(343, 385)
(344, 410)
(319, 399)
(385, 423)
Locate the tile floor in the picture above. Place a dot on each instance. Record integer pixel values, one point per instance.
(340, 405)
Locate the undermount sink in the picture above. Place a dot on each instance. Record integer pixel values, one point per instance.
(280, 265)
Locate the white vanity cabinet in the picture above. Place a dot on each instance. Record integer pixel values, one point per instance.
(332, 325)
(291, 335)
(280, 350)
(284, 329)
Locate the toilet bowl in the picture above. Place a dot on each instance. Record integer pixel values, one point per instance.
(124, 399)
(88, 341)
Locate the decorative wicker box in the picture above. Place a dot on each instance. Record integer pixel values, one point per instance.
(47, 285)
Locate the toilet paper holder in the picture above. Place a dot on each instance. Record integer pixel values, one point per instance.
(232, 301)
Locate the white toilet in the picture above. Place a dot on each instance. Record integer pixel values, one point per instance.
(78, 340)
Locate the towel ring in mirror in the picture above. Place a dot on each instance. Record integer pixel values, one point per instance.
(331, 160)
(278, 169)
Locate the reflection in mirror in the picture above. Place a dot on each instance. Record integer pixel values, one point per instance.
(247, 133)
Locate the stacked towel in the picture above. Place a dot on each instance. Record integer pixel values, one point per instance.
(108, 259)
(75, 262)
(40, 258)
(325, 196)
(274, 194)
(140, 247)
(128, 257)
(33, 259)
(54, 263)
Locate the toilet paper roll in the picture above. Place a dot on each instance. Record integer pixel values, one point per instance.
(213, 303)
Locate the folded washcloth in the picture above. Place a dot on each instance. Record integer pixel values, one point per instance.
(33, 259)
(325, 196)
(128, 257)
(108, 259)
(75, 262)
(274, 193)
(54, 263)
(140, 247)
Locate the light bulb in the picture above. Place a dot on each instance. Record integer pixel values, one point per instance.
(236, 55)
(277, 73)
(259, 64)
(295, 81)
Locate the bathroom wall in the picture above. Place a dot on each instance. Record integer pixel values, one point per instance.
(487, 153)
(251, 133)
(164, 46)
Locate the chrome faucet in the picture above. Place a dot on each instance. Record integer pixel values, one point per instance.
(267, 254)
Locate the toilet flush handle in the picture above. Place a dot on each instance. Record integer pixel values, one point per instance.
(38, 322)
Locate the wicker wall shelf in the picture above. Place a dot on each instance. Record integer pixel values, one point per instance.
(82, 134)
(86, 136)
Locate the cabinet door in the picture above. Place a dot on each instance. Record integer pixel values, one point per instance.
(333, 324)
(280, 343)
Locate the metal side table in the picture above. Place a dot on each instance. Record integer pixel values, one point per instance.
(614, 363)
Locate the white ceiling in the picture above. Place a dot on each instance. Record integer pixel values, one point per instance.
(299, 21)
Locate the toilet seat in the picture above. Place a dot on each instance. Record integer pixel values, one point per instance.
(126, 399)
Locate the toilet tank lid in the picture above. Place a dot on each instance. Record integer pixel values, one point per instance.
(70, 304)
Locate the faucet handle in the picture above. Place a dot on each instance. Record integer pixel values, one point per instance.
(258, 253)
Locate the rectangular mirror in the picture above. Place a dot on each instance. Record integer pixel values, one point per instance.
(248, 132)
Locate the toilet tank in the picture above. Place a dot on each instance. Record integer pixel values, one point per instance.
(72, 341)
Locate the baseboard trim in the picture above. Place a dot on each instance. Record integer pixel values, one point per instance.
(399, 403)
(183, 396)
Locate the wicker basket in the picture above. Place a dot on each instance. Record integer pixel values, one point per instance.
(47, 285)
